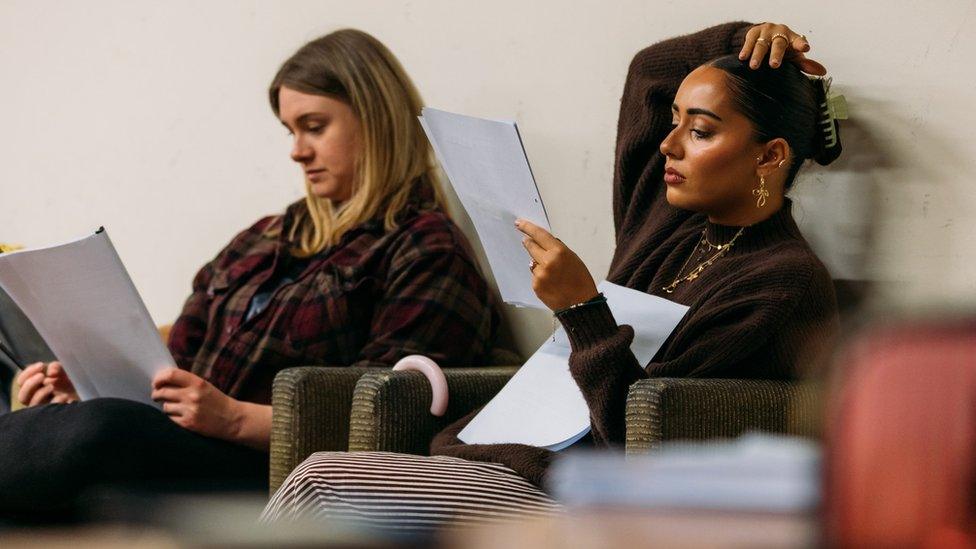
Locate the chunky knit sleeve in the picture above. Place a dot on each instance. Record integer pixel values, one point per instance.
(653, 79)
(757, 328)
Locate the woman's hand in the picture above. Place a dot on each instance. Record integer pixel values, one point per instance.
(194, 404)
(779, 42)
(42, 383)
(559, 277)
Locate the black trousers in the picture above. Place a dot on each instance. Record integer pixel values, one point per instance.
(50, 455)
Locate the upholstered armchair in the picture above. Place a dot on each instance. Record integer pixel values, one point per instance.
(390, 410)
(319, 409)
(664, 409)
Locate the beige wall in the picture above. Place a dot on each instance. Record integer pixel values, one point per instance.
(151, 118)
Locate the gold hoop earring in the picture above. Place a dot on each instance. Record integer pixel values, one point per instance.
(762, 193)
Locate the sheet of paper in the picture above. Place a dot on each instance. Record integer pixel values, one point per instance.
(542, 405)
(83, 303)
(486, 163)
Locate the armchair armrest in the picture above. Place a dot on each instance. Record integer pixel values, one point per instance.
(310, 413)
(391, 410)
(663, 409)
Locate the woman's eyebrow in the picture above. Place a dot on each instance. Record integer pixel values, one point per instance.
(303, 118)
(696, 110)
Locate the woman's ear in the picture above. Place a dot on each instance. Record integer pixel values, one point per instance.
(774, 158)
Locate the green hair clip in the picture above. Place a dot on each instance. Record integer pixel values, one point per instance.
(832, 109)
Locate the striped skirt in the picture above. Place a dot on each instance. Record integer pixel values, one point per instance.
(405, 493)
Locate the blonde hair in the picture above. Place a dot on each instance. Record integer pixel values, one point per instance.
(396, 159)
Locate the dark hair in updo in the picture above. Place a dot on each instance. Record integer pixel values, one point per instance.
(785, 103)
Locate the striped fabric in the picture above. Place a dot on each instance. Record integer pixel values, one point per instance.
(405, 493)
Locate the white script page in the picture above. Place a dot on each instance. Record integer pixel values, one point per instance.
(542, 405)
(83, 303)
(486, 164)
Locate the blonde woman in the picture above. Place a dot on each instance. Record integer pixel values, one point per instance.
(366, 269)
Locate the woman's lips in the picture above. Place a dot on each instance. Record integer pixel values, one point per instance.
(314, 174)
(673, 177)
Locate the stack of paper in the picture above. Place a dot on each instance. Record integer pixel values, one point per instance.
(83, 303)
(486, 163)
(542, 405)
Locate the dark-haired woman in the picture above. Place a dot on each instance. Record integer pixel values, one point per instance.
(366, 269)
(713, 128)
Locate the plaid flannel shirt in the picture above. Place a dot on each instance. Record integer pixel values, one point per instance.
(370, 300)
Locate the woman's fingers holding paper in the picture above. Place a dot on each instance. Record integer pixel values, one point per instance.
(41, 396)
(28, 387)
(535, 251)
(173, 376)
(166, 394)
(26, 373)
(173, 409)
(541, 236)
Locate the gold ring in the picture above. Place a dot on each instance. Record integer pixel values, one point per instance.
(761, 40)
(780, 35)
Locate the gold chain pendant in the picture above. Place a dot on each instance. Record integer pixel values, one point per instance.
(696, 272)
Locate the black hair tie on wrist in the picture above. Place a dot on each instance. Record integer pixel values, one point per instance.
(595, 300)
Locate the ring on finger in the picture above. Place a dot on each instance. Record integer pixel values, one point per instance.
(762, 41)
(779, 35)
(532, 265)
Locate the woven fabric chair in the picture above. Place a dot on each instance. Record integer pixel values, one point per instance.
(315, 410)
(310, 413)
(665, 409)
(391, 410)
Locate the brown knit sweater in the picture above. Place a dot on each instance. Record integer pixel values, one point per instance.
(758, 312)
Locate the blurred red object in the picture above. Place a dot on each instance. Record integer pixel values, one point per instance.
(901, 440)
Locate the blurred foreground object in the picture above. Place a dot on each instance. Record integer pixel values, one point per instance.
(756, 491)
(901, 434)
(756, 473)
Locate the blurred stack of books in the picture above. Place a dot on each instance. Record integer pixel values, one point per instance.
(756, 491)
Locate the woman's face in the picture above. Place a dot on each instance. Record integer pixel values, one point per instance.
(327, 141)
(711, 152)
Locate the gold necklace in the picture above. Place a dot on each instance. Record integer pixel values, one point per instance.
(719, 247)
(722, 249)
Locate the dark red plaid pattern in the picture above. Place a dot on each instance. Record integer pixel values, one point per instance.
(370, 300)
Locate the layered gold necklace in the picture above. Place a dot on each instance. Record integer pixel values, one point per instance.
(720, 250)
